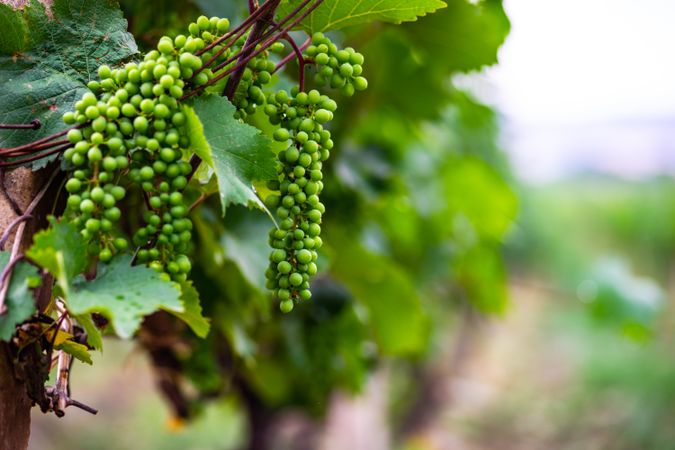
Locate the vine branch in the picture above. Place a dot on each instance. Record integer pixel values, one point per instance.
(33, 125)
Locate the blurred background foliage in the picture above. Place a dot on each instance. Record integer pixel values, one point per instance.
(423, 219)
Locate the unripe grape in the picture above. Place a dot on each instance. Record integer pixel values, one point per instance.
(165, 46)
(360, 84)
(87, 206)
(286, 306)
(73, 185)
(74, 136)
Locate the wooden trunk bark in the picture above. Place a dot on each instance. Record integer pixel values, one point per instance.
(16, 192)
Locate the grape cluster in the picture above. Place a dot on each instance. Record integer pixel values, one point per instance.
(130, 137)
(301, 117)
(131, 132)
(339, 68)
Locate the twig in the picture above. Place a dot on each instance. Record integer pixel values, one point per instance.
(60, 393)
(15, 256)
(10, 228)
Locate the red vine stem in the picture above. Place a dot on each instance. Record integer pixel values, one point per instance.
(9, 153)
(244, 56)
(31, 145)
(18, 162)
(242, 26)
(252, 43)
(297, 53)
(264, 46)
(33, 125)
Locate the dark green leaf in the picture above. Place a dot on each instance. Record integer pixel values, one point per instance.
(245, 243)
(15, 31)
(388, 294)
(238, 152)
(66, 44)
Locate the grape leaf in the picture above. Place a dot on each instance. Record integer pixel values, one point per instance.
(75, 349)
(244, 241)
(336, 14)
(238, 153)
(192, 313)
(15, 30)
(94, 336)
(124, 294)
(60, 250)
(44, 71)
(19, 302)
(395, 312)
(423, 55)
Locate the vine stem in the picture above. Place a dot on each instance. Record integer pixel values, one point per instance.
(33, 125)
(9, 153)
(235, 35)
(14, 258)
(10, 228)
(242, 26)
(297, 53)
(264, 46)
(250, 43)
(15, 255)
(31, 145)
(17, 162)
(258, 31)
(275, 26)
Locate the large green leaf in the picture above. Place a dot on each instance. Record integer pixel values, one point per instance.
(124, 294)
(336, 14)
(462, 37)
(388, 294)
(244, 241)
(491, 206)
(238, 153)
(423, 55)
(48, 55)
(19, 302)
(60, 250)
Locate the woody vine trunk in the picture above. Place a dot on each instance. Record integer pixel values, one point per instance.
(17, 189)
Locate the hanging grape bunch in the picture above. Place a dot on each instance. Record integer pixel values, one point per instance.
(129, 137)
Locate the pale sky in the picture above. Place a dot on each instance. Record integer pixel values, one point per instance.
(587, 84)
